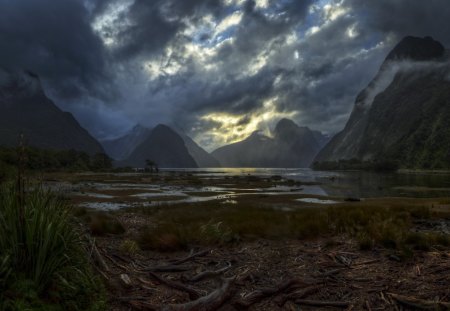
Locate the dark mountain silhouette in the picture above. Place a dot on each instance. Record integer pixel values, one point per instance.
(201, 157)
(291, 146)
(164, 147)
(404, 113)
(121, 148)
(24, 108)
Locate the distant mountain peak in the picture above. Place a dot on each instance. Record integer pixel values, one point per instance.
(284, 124)
(418, 49)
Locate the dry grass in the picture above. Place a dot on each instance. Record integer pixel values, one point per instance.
(388, 224)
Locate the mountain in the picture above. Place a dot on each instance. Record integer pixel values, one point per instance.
(404, 113)
(291, 146)
(201, 157)
(121, 148)
(164, 147)
(24, 108)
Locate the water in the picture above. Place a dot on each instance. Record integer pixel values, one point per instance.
(356, 184)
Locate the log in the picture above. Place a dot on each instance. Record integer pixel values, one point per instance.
(211, 302)
(420, 303)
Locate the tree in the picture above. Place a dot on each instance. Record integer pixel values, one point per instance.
(151, 166)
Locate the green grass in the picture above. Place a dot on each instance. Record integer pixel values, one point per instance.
(386, 224)
(43, 262)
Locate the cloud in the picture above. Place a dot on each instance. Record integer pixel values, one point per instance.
(200, 64)
(55, 40)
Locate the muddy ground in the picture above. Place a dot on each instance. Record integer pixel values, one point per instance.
(257, 274)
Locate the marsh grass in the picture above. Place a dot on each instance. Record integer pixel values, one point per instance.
(388, 224)
(43, 264)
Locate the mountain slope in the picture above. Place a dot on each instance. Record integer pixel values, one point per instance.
(121, 148)
(407, 120)
(291, 146)
(24, 108)
(164, 147)
(201, 157)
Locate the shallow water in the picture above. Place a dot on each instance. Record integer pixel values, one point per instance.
(348, 184)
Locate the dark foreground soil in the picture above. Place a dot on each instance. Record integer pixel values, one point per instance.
(274, 275)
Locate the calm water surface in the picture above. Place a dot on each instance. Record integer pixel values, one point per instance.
(350, 184)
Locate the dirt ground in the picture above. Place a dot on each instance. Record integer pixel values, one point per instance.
(276, 275)
(257, 274)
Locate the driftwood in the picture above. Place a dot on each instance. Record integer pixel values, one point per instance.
(211, 302)
(190, 257)
(98, 258)
(209, 274)
(419, 303)
(320, 303)
(168, 268)
(193, 293)
(302, 293)
(259, 295)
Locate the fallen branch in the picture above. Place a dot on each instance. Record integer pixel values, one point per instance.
(320, 303)
(190, 257)
(298, 294)
(209, 274)
(167, 268)
(193, 293)
(259, 295)
(211, 302)
(98, 259)
(419, 303)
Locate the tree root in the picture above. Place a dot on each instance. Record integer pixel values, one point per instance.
(211, 302)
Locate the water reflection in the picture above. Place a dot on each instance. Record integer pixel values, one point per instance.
(348, 184)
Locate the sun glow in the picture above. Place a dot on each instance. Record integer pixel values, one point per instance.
(230, 128)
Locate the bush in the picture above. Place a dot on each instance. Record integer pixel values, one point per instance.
(42, 258)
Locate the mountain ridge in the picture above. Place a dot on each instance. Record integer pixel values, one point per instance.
(404, 122)
(26, 109)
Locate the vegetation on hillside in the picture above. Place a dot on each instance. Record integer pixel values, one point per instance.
(52, 160)
(355, 164)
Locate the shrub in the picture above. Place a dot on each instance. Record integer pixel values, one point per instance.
(42, 257)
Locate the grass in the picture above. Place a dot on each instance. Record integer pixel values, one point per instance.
(385, 223)
(43, 262)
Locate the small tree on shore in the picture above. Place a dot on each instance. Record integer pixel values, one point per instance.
(151, 166)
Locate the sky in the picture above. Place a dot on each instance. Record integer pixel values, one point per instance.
(216, 70)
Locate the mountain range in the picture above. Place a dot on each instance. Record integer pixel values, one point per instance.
(404, 113)
(289, 146)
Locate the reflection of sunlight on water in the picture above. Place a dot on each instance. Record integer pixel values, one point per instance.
(317, 201)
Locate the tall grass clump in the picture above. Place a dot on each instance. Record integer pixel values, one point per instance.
(43, 262)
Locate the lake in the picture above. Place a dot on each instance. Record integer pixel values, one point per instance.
(357, 184)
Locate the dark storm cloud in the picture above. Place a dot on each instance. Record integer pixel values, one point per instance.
(155, 23)
(405, 17)
(117, 62)
(55, 40)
